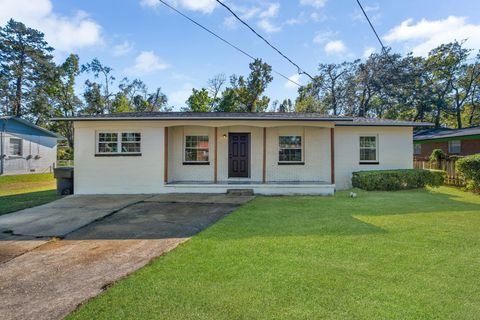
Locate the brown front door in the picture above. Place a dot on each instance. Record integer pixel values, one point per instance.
(239, 155)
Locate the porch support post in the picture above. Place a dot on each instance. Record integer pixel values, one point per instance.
(332, 155)
(165, 155)
(215, 164)
(264, 165)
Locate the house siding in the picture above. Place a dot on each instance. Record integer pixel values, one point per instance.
(145, 173)
(395, 149)
(469, 147)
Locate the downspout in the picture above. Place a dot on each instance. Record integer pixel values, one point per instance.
(2, 155)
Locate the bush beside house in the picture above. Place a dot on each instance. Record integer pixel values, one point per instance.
(389, 180)
(469, 168)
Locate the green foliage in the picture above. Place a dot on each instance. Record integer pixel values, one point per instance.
(64, 153)
(199, 101)
(390, 180)
(25, 67)
(469, 168)
(437, 155)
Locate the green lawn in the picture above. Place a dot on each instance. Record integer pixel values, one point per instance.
(24, 191)
(383, 255)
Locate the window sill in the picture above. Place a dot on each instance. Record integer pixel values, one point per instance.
(291, 163)
(118, 155)
(367, 163)
(196, 163)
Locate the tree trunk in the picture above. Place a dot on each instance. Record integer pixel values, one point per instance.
(17, 103)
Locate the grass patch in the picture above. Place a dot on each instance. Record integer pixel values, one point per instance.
(24, 191)
(384, 255)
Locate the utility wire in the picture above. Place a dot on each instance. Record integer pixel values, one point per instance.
(371, 26)
(299, 70)
(224, 40)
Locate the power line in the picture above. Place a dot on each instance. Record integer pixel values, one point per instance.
(371, 26)
(299, 70)
(224, 40)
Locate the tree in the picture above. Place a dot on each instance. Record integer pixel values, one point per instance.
(286, 106)
(24, 60)
(199, 101)
(92, 90)
(63, 97)
(258, 80)
(215, 86)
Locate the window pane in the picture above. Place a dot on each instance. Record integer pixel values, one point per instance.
(130, 137)
(15, 147)
(290, 155)
(107, 137)
(368, 142)
(417, 148)
(131, 147)
(107, 147)
(454, 146)
(196, 148)
(368, 154)
(290, 141)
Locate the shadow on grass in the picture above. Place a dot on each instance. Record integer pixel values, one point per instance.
(17, 202)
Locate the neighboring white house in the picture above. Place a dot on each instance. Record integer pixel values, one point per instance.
(25, 147)
(271, 153)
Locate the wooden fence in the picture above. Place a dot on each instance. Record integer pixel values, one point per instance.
(453, 176)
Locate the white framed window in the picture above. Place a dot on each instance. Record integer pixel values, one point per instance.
(417, 149)
(119, 143)
(455, 146)
(290, 149)
(196, 149)
(16, 147)
(368, 149)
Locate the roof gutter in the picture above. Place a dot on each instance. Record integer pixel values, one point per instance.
(192, 118)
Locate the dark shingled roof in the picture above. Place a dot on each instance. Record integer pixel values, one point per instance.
(292, 116)
(442, 133)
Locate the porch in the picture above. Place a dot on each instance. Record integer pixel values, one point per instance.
(275, 159)
(258, 187)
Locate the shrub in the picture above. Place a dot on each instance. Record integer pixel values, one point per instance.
(469, 168)
(437, 155)
(388, 180)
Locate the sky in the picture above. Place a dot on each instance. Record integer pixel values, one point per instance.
(146, 40)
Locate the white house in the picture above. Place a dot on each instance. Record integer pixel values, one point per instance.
(270, 153)
(25, 147)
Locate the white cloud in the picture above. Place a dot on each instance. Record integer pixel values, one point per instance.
(122, 48)
(335, 47)
(323, 36)
(146, 62)
(178, 98)
(64, 33)
(368, 51)
(313, 3)
(271, 12)
(268, 26)
(204, 6)
(359, 16)
(289, 84)
(425, 35)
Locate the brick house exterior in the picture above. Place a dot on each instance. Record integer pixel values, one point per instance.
(461, 142)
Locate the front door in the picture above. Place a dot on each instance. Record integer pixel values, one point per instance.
(239, 155)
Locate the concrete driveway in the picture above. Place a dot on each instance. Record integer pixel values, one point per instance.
(103, 238)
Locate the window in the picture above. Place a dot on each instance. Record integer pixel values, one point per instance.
(290, 149)
(417, 149)
(454, 146)
(196, 148)
(119, 143)
(16, 147)
(368, 149)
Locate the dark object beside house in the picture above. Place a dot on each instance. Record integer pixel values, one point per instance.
(64, 176)
(460, 142)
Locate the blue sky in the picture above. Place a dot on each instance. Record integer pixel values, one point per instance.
(144, 39)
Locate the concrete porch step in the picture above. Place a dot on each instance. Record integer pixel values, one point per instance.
(240, 192)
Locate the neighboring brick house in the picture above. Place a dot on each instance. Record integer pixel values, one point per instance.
(462, 142)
